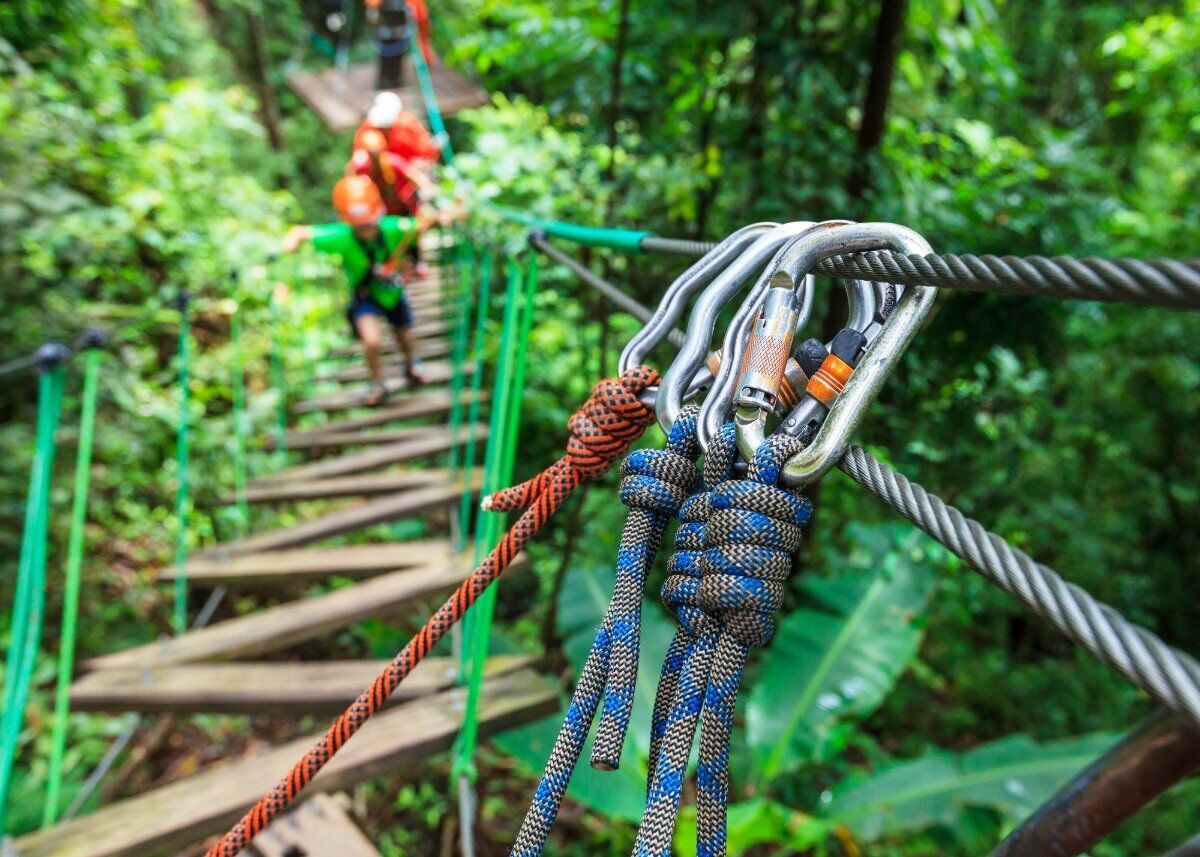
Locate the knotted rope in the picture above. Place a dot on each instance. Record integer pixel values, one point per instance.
(733, 555)
(601, 431)
(654, 484)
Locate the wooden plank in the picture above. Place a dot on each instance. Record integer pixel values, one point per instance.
(425, 349)
(361, 485)
(434, 439)
(420, 330)
(169, 818)
(392, 507)
(336, 440)
(352, 397)
(276, 628)
(320, 827)
(413, 406)
(436, 348)
(342, 98)
(291, 689)
(307, 564)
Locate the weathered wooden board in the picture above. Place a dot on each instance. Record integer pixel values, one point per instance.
(421, 330)
(360, 485)
(342, 98)
(275, 628)
(352, 397)
(291, 689)
(425, 349)
(169, 818)
(307, 564)
(357, 517)
(320, 827)
(434, 439)
(413, 406)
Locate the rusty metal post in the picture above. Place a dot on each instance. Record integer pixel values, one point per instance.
(1157, 754)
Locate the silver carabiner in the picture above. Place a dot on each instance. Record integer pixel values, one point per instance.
(695, 349)
(847, 394)
(864, 307)
(674, 299)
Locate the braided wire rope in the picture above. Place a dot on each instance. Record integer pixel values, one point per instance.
(734, 553)
(1156, 282)
(1152, 282)
(1168, 675)
(654, 484)
(601, 432)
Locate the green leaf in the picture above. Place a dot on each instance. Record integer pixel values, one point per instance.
(1013, 775)
(621, 793)
(838, 659)
(756, 822)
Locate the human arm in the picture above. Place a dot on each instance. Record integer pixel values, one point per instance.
(294, 237)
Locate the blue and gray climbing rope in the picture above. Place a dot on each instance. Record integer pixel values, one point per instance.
(734, 551)
(654, 484)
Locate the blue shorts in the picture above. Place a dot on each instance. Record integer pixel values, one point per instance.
(398, 316)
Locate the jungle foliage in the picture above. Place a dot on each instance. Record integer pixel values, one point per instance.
(906, 707)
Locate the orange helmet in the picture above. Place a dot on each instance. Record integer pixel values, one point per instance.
(372, 141)
(358, 201)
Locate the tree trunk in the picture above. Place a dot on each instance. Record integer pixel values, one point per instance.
(879, 90)
(260, 66)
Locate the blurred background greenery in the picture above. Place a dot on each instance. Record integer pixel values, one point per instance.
(135, 161)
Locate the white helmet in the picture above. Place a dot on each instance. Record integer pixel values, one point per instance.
(385, 109)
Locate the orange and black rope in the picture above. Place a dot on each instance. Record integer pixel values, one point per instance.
(601, 432)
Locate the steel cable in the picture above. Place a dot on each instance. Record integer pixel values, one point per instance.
(1168, 675)
(1155, 282)
(1152, 282)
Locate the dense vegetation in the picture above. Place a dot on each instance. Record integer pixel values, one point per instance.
(134, 163)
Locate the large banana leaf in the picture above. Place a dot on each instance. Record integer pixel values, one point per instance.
(837, 660)
(1013, 775)
(621, 793)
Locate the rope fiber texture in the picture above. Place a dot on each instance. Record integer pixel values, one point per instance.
(601, 432)
(654, 484)
(1165, 673)
(733, 555)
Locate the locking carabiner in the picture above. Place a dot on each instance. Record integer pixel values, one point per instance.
(859, 361)
(696, 344)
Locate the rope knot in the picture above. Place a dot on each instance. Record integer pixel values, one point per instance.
(750, 536)
(601, 432)
(660, 480)
(611, 419)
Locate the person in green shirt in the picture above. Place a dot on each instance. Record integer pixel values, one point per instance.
(368, 243)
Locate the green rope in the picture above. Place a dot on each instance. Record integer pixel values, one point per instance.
(276, 359)
(477, 348)
(182, 442)
(240, 427)
(30, 596)
(71, 583)
(464, 267)
(593, 236)
(509, 383)
(429, 94)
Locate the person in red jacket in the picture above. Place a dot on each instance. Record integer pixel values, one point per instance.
(399, 183)
(404, 132)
